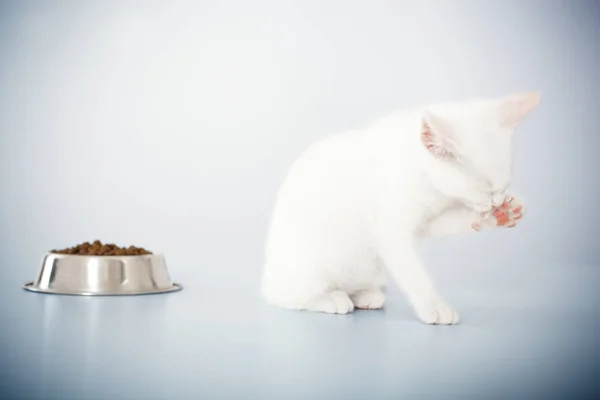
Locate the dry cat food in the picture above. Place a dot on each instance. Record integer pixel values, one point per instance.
(98, 249)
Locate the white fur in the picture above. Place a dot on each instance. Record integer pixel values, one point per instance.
(353, 205)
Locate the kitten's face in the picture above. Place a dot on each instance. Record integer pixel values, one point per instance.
(476, 143)
(483, 162)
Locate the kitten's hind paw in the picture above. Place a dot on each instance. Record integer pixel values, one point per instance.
(372, 299)
(336, 302)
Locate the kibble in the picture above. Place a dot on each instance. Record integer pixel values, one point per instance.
(97, 248)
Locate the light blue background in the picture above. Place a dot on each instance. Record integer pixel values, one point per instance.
(170, 125)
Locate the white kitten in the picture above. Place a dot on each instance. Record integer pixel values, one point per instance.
(353, 205)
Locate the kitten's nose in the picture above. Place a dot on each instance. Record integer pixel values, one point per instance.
(498, 199)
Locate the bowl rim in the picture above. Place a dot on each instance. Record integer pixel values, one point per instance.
(30, 287)
(48, 253)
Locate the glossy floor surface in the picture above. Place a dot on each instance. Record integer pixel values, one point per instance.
(519, 338)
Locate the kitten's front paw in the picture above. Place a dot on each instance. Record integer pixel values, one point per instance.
(436, 312)
(336, 302)
(368, 299)
(508, 215)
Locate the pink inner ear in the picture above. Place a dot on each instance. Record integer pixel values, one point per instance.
(429, 140)
(435, 135)
(517, 107)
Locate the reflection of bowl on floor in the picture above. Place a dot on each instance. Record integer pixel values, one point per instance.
(102, 275)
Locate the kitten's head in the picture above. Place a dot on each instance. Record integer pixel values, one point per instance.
(471, 145)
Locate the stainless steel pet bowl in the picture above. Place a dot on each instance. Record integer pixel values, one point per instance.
(102, 275)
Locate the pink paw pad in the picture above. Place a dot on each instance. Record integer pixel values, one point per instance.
(506, 216)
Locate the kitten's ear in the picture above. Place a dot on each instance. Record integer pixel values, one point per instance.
(436, 135)
(515, 108)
